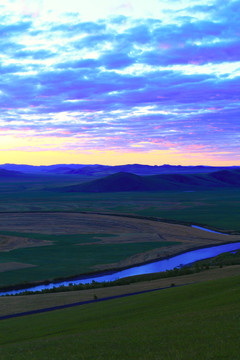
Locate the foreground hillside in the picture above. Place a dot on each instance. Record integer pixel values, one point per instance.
(199, 321)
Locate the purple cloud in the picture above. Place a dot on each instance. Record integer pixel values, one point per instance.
(126, 84)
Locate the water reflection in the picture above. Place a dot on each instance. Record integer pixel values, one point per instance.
(202, 228)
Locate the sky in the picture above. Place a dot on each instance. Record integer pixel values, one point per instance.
(116, 82)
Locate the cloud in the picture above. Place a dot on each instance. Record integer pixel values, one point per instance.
(35, 54)
(13, 29)
(80, 27)
(116, 61)
(124, 83)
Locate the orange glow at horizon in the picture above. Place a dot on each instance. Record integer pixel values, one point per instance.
(154, 157)
(31, 150)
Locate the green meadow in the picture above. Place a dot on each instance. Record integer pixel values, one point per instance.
(198, 321)
(65, 257)
(216, 208)
(195, 322)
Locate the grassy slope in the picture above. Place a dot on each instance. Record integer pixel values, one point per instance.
(199, 322)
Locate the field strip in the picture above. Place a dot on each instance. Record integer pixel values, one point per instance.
(123, 215)
(12, 305)
(13, 265)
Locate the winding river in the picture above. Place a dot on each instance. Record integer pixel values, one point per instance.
(153, 267)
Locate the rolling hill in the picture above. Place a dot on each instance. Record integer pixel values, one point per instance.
(124, 181)
(10, 174)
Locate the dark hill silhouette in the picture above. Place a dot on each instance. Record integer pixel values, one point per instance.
(17, 176)
(121, 181)
(124, 181)
(138, 169)
(99, 171)
(184, 181)
(227, 177)
(6, 174)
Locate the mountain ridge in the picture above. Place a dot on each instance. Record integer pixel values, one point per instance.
(104, 170)
(123, 181)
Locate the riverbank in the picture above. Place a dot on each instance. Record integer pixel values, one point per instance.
(117, 242)
(172, 266)
(17, 304)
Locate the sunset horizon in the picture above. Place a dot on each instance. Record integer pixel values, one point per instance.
(110, 160)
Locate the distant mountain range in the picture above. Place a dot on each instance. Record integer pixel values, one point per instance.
(123, 181)
(104, 170)
(58, 168)
(141, 177)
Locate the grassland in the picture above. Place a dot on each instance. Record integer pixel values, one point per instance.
(199, 321)
(217, 208)
(78, 243)
(65, 258)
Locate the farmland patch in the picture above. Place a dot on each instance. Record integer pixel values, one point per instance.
(8, 242)
(82, 243)
(13, 265)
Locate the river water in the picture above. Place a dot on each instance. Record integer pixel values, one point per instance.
(202, 228)
(153, 267)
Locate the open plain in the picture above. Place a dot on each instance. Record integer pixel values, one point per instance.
(46, 235)
(64, 244)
